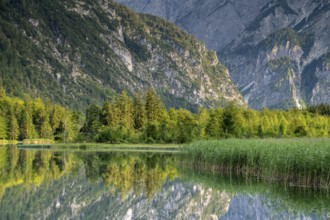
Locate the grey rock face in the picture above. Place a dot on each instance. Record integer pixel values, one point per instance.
(215, 22)
(277, 51)
(281, 60)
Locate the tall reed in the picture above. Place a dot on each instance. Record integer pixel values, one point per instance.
(303, 162)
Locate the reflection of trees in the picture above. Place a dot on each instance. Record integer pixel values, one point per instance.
(140, 173)
(123, 172)
(30, 167)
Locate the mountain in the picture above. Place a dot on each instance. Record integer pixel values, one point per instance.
(277, 51)
(81, 52)
(282, 59)
(215, 22)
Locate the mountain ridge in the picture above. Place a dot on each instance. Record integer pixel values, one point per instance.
(83, 52)
(293, 35)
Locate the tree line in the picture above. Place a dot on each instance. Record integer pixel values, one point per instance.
(36, 119)
(144, 119)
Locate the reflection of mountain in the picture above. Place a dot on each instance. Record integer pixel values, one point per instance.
(53, 185)
(76, 198)
(260, 207)
(100, 186)
(258, 199)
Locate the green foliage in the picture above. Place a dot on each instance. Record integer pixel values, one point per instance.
(13, 128)
(321, 109)
(185, 126)
(146, 120)
(31, 119)
(3, 128)
(153, 106)
(92, 123)
(139, 112)
(27, 126)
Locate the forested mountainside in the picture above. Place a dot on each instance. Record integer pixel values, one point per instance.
(82, 52)
(277, 51)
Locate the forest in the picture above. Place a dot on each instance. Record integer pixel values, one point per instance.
(144, 119)
(36, 119)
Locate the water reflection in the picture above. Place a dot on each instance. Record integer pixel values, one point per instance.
(125, 172)
(108, 185)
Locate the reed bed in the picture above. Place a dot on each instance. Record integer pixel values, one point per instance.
(302, 162)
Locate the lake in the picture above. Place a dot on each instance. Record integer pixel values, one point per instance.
(92, 184)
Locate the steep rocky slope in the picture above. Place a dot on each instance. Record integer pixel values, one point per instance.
(78, 52)
(282, 59)
(277, 51)
(215, 22)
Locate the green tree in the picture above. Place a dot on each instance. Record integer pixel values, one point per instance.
(283, 127)
(231, 120)
(56, 116)
(3, 128)
(45, 129)
(13, 128)
(27, 127)
(2, 92)
(214, 127)
(110, 114)
(139, 112)
(39, 114)
(153, 106)
(93, 123)
(125, 105)
(203, 119)
(186, 125)
(151, 132)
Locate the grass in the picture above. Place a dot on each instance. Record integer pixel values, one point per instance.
(302, 162)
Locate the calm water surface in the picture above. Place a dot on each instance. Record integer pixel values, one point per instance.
(48, 184)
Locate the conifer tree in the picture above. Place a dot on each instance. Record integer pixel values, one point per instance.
(27, 127)
(139, 112)
(3, 128)
(110, 114)
(125, 105)
(153, 106)
(93, 123)
(13, 128)
(45, 129)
